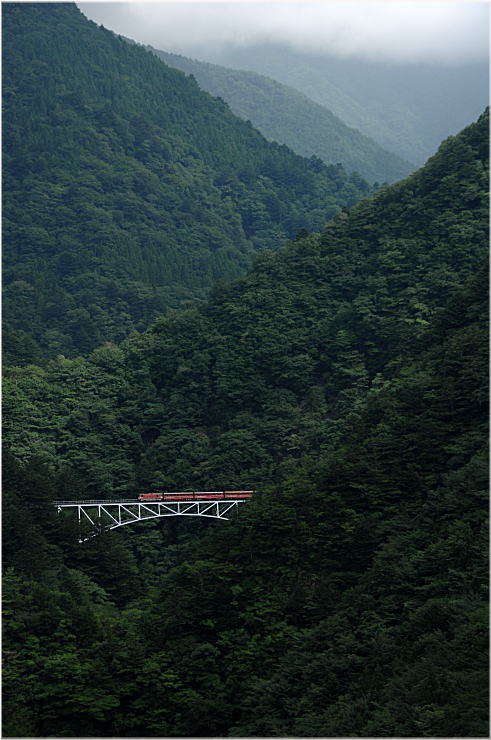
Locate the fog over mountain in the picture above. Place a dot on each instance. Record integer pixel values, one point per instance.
(446, 33)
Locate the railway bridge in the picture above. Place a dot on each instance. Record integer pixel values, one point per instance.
(104, 515)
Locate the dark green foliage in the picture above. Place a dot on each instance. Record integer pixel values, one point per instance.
(345, 379)
(285, 115)
(351, 601)
(278, 362)
(19, 348)
(390, 644)
(127, 190)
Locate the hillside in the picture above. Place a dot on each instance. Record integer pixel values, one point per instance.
(310, 327)
(345, 379)
(407, 109)
(127, 189)
(283, 114)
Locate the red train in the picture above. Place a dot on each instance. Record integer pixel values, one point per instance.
(195, 495)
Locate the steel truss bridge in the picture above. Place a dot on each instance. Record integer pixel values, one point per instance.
(106, 515)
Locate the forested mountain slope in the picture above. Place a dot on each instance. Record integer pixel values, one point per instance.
(406, 108)
(345, 379)
(285, 115)
(128, 189)
(309, 327)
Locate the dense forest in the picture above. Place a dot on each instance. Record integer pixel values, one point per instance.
(407, 108)
(283, 114)
(127, 190)
(344, 378)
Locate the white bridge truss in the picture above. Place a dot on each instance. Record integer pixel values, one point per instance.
(105, 515)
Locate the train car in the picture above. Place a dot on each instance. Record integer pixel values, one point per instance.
(194, 495)
(238, 494)
(151, 497)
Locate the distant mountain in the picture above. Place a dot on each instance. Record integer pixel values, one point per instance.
(407, 108)
(285, 115)
(127, 189)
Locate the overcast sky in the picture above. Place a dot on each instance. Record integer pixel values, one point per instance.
(388, 30)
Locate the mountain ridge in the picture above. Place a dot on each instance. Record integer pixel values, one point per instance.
(351, 300)
(127, 189)
(284, 114)
(408, 109)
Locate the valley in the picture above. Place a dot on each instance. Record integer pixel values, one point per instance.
(196, 316)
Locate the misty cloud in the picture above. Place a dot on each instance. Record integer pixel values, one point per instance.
(395, 31)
